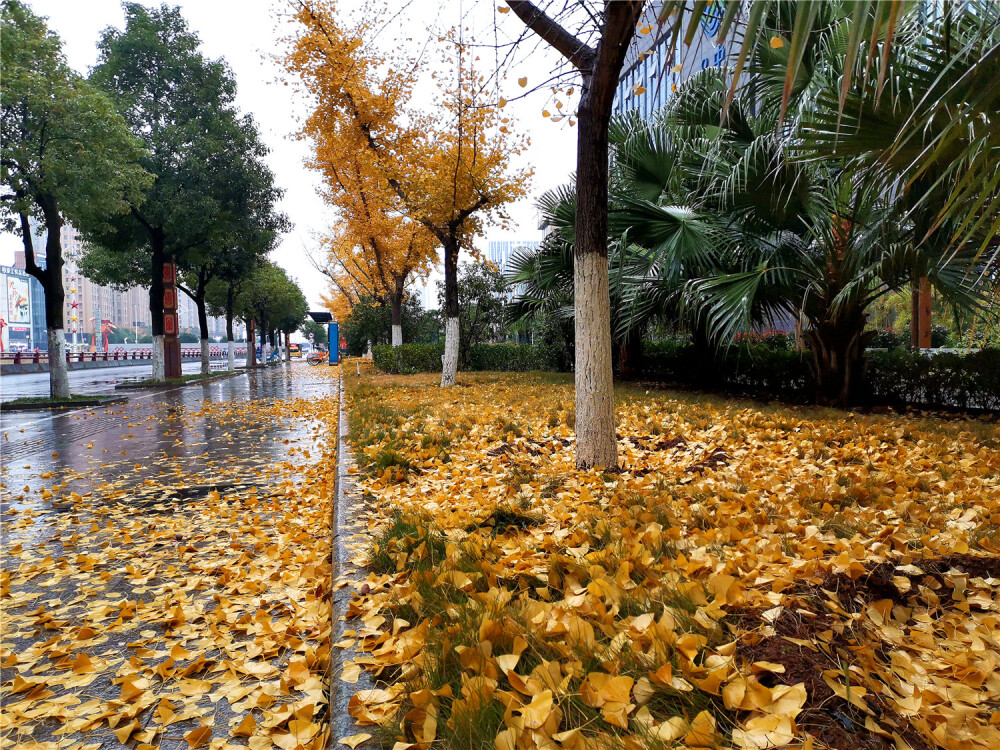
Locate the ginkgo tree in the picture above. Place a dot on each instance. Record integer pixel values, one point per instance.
(374, 248)
(449, 164)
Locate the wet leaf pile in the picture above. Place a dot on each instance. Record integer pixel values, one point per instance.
(751, 577)
(175, 599)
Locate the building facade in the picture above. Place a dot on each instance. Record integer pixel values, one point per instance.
(88, 303)
(499, 252)
(651, 73)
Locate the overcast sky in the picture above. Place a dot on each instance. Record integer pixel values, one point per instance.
(244, 32)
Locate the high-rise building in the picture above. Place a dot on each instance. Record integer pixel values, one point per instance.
(499, 252)
(651, 74)
(88, 303)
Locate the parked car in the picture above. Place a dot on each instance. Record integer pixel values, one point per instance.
(294, 350)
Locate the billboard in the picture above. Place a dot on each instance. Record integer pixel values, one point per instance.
(18, 302)
(15, 313)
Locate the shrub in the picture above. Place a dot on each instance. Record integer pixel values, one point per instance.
(896, 377)
(886, 338)
(750, 369)
(411, 358)
(408, 358)
(948, 380)
(769, 339)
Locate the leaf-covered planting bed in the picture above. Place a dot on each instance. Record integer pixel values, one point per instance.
(750, 577)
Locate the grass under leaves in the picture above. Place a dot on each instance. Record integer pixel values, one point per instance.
(727, 587)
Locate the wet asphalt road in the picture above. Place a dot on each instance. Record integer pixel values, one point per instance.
(157, 430)
(224, 433)
(99, 380)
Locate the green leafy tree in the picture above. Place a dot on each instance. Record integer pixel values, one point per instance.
(273, 302)
(371, 320)
(481, 306)
(65, 155)
(179, 104)
(244, 225)
(318, 330)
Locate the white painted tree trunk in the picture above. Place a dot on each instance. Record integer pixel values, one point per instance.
(206, 357)
(595, 404)
(231, 356)
(449, 362)
(58, 371)
(368, 354)
(159, 359)
(397, 335)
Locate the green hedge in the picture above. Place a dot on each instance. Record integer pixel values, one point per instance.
(411, 358)
(408, 358)
(898, 377)
(752, 369)
(945, 380)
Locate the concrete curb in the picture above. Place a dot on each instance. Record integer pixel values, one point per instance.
(345, 507)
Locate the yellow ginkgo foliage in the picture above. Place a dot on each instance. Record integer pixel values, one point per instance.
(449, 165)
(373, 248)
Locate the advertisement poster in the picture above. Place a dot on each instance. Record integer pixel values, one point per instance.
(18, 306)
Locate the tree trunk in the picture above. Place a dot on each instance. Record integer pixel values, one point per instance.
(206, 357)
(263, 343)
(630, 354)
(396, 298)
(595, 409)
(251, 346)
(288, 348)
(599, 68)
(50, 278)
(159, 258)
(449, 362)
(838, 359)
(58, 372)
(230, 343)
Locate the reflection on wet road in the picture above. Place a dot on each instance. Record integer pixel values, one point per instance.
(153, 433)
(167, 562)
(99, 380)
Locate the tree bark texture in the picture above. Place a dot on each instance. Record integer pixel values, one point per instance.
(449, 362)
(206, 359)
(838, 352)
(452, 330)
(159, 360)
(50, 278)
(595, 425)
(159, 258)
(58, 373)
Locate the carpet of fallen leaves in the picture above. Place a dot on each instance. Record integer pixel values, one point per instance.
(166, 607)
(753, 577)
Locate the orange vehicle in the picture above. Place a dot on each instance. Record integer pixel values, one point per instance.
(294, 350)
